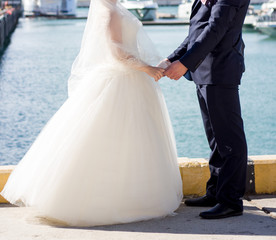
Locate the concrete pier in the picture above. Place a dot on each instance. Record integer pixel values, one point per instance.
(19, 223)
(8, 21)
(257, 222)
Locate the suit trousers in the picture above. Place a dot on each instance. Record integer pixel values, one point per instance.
(221, 114)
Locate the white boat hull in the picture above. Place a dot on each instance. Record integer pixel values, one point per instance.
(268, 5)
(146, 14)
(143, 10)
(268, 28)
(250, 21)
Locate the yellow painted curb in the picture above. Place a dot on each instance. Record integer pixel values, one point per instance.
(5, 172)
(195, 173)
(265, 173)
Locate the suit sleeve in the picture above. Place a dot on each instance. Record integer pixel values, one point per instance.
(222, 15)
(180, 51)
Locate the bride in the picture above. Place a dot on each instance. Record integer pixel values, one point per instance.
(108, 155)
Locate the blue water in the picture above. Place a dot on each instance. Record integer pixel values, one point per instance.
(33, 85)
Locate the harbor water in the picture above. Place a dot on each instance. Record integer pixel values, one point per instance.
(33, 85)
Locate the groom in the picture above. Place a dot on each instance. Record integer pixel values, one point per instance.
(212, 56)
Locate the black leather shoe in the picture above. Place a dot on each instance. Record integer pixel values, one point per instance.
(204, 201)
(220, 211)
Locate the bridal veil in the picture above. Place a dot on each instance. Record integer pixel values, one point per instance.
(100, 47)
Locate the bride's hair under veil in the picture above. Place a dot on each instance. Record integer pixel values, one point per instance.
(103, 42)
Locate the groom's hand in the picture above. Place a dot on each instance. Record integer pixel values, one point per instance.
(176, 70)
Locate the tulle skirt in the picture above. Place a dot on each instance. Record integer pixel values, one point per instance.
(107, 156)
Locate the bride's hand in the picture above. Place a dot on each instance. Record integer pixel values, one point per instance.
(164, 63)
(155, 72)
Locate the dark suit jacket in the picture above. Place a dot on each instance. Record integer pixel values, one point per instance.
(213, 50)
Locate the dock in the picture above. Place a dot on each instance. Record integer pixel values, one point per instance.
(8, 21)
(165, 22)
(158, 22)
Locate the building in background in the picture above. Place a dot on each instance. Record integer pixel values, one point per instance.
(49, 7)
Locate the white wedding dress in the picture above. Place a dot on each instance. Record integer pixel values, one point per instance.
(108, 155)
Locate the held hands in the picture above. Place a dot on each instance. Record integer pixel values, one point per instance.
(155, 72)
(175, 70)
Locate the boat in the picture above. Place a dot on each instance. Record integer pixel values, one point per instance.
(250, 18)
(49, 7)
(30, 7)
(184, 10)
(268, 5)
(144, 10)
(266, 22)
